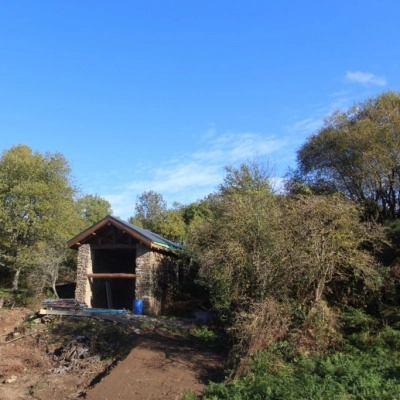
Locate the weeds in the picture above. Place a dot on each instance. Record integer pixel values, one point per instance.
(368, 373)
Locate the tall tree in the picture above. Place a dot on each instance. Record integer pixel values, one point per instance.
(324, 245)
(36, 205)
(93, 208)
(357, 152)
(152, 214)
(150, 209)
(256, 245)
(51, 259)
(172, 226)
(235, 246)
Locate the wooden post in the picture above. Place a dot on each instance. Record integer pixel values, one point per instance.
(109, 295)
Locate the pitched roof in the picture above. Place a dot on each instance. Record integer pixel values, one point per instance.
(151, 239)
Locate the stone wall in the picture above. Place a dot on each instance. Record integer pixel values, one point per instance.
(83, 292)
(144, 280)
(157, 276)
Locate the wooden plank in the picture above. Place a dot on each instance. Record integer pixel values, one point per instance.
(112, 275)
(108, 317)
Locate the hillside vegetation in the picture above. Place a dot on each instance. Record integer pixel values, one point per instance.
(305, 283)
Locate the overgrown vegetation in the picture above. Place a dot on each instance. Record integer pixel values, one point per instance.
(305, 284)
(40, 208)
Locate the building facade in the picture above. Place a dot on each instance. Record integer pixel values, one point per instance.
(119, 263)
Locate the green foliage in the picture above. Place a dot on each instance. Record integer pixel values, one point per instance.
(36, 205)
(356, 152)
(256, 245)
(274, 266)
(172, 226)
(325, 244)
(196, 212)
(206, 335)
(50, 261)
(296, 279)
(356, 320)
(152, 214)
(235, 244)
(150, 209)
(252, 176)
(189, 395)
(352, 374)
(92, 209)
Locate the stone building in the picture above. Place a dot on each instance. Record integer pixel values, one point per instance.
(119, 263)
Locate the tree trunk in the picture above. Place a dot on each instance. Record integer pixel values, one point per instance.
(16, 280)
(53, 286)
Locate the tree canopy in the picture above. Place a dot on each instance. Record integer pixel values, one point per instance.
(357, 152)
(93, 208)
(36, 205)
(152, 214)
(258, 245)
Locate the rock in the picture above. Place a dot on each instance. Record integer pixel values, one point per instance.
(11, 379)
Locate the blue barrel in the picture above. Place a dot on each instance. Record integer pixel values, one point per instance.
(138, 307)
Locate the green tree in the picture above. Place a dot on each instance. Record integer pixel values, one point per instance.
(172, 226)
(236, 246)
(93, 208)
(50, 259)
(150, 209)
(258, 245)
(152, 214)
(196, 213)
(36, 205)
(357, 152)
(324, 245)
(249, 177)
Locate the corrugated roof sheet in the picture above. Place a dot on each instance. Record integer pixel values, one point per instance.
(153, 237)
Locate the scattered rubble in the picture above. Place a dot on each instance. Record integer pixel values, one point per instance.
(78, 351)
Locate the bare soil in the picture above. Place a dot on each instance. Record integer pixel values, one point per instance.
(50, 361)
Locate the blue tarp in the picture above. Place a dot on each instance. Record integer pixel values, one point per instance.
(104, 310)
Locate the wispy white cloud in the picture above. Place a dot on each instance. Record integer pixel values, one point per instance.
(307, 125)
(232, 147)
(194, 175)
(365, 78)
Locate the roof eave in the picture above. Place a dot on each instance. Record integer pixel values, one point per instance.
(76, 241)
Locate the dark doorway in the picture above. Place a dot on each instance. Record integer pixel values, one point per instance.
(117, 293)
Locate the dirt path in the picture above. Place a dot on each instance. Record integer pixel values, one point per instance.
(159, 367)
(160, 363)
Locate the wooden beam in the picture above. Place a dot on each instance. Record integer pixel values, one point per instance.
(113, 246)
(112, 275)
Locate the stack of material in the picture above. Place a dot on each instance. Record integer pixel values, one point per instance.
(63, 304)
(73, 305)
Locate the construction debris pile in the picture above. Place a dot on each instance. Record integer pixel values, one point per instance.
(75, 353)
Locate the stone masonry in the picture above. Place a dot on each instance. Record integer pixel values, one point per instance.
(156, 277)
(83, 292)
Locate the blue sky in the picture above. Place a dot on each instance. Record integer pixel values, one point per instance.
(160, 95)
